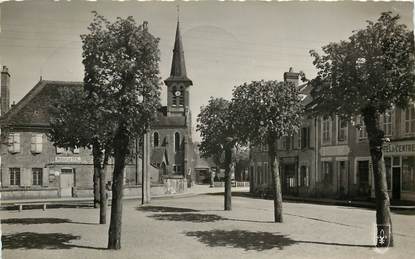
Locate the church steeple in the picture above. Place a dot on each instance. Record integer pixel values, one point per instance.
(178, 65)
(178, 83)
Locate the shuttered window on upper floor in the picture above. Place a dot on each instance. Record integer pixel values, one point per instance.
(36, 143)
(14, 143)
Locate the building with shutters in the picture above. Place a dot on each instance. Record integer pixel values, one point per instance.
(329, 157)
(32, 167)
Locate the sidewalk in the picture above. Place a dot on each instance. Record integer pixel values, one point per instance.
(396, 205)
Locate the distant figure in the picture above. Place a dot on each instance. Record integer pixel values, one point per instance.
(107, 189)
(212, 178)
(189, 178)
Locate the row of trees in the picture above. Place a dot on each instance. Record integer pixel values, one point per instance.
(366, 75)
(259, 113)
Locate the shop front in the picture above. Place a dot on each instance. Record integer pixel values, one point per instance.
(400, 169)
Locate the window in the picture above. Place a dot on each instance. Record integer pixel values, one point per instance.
(37, 174)
(327, 172)
(177, 169)
(156, 139)
(408, 173)
(409, 118)
(176, 141)
(264, 147)
(181, 97)
(303, 176)
(36, 144)
(174, 98)
(266, 173)
(259, 173)
(341, 130)
(14, 143)
(75, 150)
(361, 131)
(305, 138)
(288, 142)
(14, 176)
(325, 129)
(387, 123)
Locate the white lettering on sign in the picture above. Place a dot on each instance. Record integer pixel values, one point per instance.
(68, 159)
(399, 147)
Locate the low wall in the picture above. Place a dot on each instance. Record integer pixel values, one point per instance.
(26, 193)
(171, 185)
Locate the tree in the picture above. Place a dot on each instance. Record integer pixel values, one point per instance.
(216, 129)
(266, 111)
(121, 62)
(367, 75)
(74, 123)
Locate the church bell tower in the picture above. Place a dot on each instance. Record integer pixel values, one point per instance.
(178, 83)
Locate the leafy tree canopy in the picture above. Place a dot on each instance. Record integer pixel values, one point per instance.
(122, 74)
(373, 69)
(215, 126)
(263, 109)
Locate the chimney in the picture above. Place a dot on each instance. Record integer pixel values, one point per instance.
(291, 76)
(5, 91)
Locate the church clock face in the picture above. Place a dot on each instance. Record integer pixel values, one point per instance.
(177, 93)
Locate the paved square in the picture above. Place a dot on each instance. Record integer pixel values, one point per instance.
(197, 227)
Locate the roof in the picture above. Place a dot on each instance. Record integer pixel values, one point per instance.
(158, 156)
(32, 109)
(178, 65)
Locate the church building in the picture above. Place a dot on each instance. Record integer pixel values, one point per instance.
(32, 167)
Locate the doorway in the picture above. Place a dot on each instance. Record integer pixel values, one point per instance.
(66, 182)
(343, 179)
(363, 178)
(396, 181)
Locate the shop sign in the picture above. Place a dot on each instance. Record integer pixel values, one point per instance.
(68, 159)
(399, 147)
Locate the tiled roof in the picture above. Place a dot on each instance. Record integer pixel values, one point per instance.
(32, 109)
(158, 156)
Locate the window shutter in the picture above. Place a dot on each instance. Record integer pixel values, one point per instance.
(33, 144)
(39, 143)
(5, 176)
(45, 176)
(16, 143)
(11, 142)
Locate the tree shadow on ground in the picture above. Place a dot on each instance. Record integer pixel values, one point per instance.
(248, 240)
(198, 217)
(164, 209)
(33, 221)
(31, 240)
(189, 217)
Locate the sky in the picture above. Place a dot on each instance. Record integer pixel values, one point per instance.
(225, 43)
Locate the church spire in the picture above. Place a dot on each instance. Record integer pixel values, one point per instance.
(178, 66)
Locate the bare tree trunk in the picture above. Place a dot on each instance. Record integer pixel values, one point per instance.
(121, 142)
(276, 183)
(228, 180)
(97, 158)
(383, 219)
(103, 192)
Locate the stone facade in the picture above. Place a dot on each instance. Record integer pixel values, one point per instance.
(333, 160)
